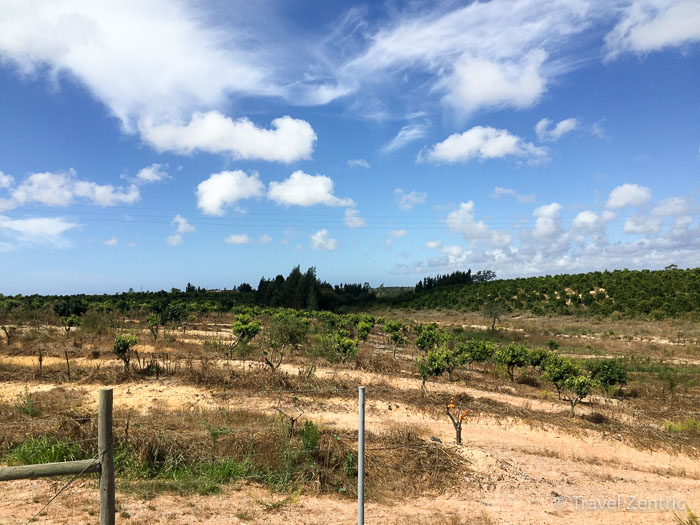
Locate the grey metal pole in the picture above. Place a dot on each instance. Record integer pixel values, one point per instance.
(361, 458)
(106, 457)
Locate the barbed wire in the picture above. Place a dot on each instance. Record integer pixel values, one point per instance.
(68, 484)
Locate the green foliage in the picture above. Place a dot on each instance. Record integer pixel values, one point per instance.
(608, 373)
(630, 293)
(43, 450)
(558, 369)
(686, 426)
(512, 356)
(335, 347)
(70, 321)
(310, 437)
(397, 333)
(538, 358)
(431, 337)
(287, 329)
(480, 351)
(432, 364)
(575, 389)
(123, 344)
(153, 321)
(552, 344)
(364, 327)
(245, 328)
(26, 405)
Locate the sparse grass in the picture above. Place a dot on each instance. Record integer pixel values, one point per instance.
(43, 450)
(687, 426)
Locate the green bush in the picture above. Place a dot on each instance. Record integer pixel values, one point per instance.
(512, 356)
(608, 373)
(310, 436)
(123, 344)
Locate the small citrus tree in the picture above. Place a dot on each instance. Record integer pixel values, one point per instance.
(397, 333)
(432, 364)
(153, 322)
(457, 418)
(245, 330)
(512, 356)
(558, 369)
(575, 389)
(123, 344)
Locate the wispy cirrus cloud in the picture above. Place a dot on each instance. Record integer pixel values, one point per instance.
(407, 134)
(498, 192)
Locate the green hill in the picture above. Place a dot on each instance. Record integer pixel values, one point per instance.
(658, 294)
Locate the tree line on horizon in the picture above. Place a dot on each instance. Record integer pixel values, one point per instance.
(628, 293)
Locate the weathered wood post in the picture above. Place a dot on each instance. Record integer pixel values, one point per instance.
(106, 457)
(361, 457)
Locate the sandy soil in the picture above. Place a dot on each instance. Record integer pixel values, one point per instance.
(519, 474)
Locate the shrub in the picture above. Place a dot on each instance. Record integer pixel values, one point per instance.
(512, 356)
(310, 437)
(123, 344)
(26, 405)
(432, 364)
(431, 337)
(608, 373)
(552, 344)
(538, 357)
(480, 351)
(559, 369)
(575, 389)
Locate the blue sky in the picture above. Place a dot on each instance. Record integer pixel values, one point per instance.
(148, 145)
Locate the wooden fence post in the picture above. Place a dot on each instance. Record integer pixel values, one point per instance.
(106, 457)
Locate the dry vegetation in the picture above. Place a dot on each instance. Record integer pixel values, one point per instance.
(205, 438)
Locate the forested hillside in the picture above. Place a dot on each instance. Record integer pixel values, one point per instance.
(657, 294)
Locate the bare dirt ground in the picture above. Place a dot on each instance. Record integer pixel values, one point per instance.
(519, 471)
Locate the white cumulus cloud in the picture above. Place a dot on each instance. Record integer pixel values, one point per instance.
(638, 224)
(265, 239)
(226, 188)
(628, 195)
(484, 143)
(479, 82)
(63, 188)
(288, 140)
(462, 220)
(321, 240)
(651, 25)
(112, 241)
(302, 189)
(6, 180)
(547, 225)
(183, 226)
(672, 207)
(546, 133)
(152, 173)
